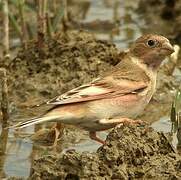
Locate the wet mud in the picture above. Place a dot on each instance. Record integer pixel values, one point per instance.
(129, 153)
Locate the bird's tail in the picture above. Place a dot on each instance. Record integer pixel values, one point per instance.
(34, 121)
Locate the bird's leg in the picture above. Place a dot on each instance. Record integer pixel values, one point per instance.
(120, 121)
(93, 136)
(57, 133)
(57, 129)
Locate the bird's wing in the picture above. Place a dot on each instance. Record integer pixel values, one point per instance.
(107, 87)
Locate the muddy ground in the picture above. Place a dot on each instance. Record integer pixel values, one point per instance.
(129, 153)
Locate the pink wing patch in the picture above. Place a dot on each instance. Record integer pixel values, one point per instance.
(98, 89)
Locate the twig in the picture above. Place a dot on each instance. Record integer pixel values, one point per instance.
(116, 11)
(5, 28)
(44, 9)
(4, 100)
(65, 17)
(41, 22)
(40, 35)
(23, 23)
(65, 5)
(49, 26)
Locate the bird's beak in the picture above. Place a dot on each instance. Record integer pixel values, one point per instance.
(168, 47)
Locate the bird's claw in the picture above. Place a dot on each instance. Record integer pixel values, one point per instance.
(133, 122)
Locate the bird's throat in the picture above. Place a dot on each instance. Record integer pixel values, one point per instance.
(152, 60)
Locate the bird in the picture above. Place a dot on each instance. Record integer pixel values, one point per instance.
(116, 97)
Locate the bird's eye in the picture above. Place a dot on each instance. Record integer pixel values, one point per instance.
(151, 43)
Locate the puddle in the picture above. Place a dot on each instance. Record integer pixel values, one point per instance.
(164, 125)
(18, 159)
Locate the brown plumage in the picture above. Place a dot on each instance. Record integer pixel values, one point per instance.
(115, 97)
(151, 49)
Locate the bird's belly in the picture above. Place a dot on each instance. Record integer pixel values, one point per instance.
(124, 106)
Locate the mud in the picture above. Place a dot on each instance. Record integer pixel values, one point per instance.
(129, 153)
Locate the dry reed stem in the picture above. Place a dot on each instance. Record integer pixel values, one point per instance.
(5, 28)
(4, 94)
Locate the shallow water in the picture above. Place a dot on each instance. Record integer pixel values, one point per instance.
(18, 153)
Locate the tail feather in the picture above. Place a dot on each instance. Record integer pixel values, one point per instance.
(34, 121)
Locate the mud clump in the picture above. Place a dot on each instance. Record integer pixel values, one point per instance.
(129, 153)
(64, 62)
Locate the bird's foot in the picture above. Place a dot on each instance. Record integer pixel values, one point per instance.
(120, 121)
(127, 121)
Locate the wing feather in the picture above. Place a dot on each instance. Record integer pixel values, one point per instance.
(98, 89)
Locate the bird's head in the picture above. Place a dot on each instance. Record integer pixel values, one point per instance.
(151, 49)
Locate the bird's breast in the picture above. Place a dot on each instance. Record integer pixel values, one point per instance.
(130, 105)
(126, 106)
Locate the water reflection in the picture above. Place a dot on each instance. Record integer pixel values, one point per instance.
(17, 156)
